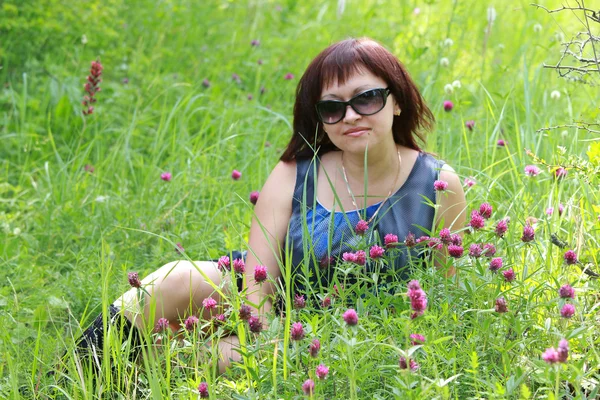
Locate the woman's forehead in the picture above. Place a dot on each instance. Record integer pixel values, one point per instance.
(360, 79)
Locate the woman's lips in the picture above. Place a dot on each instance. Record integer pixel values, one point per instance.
(356, 132)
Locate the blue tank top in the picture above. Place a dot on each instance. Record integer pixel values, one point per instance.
(332, 233)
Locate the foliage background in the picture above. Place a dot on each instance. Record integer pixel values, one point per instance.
(69, 236)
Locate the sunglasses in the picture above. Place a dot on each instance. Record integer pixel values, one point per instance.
(368, 102)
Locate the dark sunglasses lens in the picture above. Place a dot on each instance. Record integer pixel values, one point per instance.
(368, 102)
(331, 111)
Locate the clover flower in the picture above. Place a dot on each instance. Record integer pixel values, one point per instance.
(299, 301)
(500, 143)
(469, 182)
(570, 257)
(440, 186)
(255, 43)
(349, 257)
(350, 317)
(134, 280)
(322, 371)
(501, 227)
(161, 325)
(254, 324)
(376, 252)
(326, 302)
(456, 239)
(563, 350)
(361, 227)
(166, 176)
(560, 173)
(445, 236)
(260, 273)
(314, 347)
(485, 210)
(245, 312)
(475, 250)
(235, 174)
(203, 390)
(289, 76)
(567, 311)
(532, 170)
(495, 264)
(390, 240)
(470, 124)
(223, 263)
(206, 83)
(528, 233)
(509, 275)
(550, 356)
(254, 197)
(418, 298)
(297, 331)
(477, 221)
(455, 251)
(360, 257)
(308, 387)
(501, 306)
(209, 303)
(416, 339)
(239, 266)
(410, 364)
(489, 250)
(448, 105)
(566, 292)
(191, 322)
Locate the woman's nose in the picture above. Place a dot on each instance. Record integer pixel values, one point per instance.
(351, 115)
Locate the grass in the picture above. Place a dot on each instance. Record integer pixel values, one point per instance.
(71, 236)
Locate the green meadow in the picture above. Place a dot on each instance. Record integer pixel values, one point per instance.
(201, 88)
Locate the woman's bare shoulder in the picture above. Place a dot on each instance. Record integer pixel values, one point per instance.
(279, 187)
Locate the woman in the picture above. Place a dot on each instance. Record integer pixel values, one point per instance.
(357, 115)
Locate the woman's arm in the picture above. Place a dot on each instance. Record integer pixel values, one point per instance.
(452, 210)
(268, 231)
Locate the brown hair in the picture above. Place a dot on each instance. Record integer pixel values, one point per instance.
(336, 64)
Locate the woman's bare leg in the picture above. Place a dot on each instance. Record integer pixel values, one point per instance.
(176, 290)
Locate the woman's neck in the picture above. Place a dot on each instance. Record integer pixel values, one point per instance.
(381, 166)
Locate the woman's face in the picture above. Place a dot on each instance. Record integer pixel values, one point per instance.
(355, 132)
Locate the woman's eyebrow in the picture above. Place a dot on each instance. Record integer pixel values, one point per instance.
(356, 90)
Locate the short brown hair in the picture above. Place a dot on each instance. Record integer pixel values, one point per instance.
(336, 64)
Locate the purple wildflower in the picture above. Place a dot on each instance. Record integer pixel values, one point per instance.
(134, 280)
(455, 251)
(570, 257)
(209, 303)
(469, 182)
(161, 325)
(440, 186)
(322, 371)
(289, 76)
(485, 209)
(391, 240)
(254, 197)
(376, 252)
(475, 250)
(509, 275)
(528, 233)
(254, 324)
(495, 264)
(501, 227)
(416, 339)
(477, 221)
(235, 174)
(260, 273)
(314, 348)
(470, 124)
(203, 390)
(567, 311)
(191, 322)
(448, 105)
(308, 387)
(532, 170)
(445, 236)
(239, 266)
(550, 356)
(299, 301)
(245, 312)
(297, 331)
(501, 306)
(412, 364)
(350, 317)
(223, 263)
(361, 227)
(563, 350)
(566, 292)
(166, 176)
(489, 250)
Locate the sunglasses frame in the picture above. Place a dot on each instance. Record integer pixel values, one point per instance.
(385, 91)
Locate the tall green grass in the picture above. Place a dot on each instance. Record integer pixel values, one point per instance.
(71, 236)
